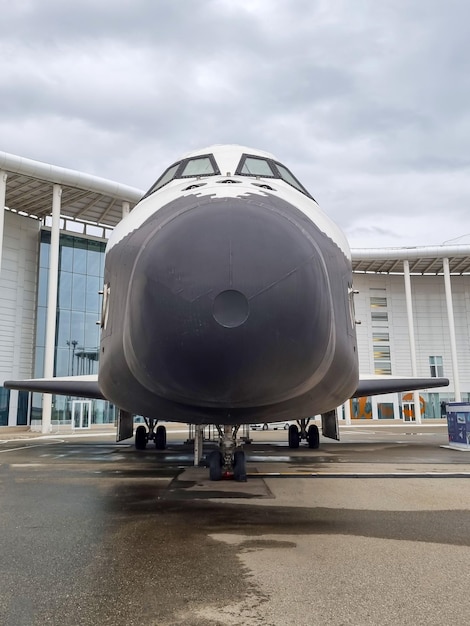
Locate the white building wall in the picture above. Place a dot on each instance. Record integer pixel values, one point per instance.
(460, 291)
(430, 324)
(363, 328)
(18, 279)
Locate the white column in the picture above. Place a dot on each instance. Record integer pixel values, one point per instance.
(411, 333)
(453, 343)
(13, 410)
(198, 443)
(3, 193)
(347, 413)
(396, 407)
(51, 305)
(126, 207)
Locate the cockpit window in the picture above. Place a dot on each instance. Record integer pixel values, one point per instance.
(204, 165)
(201, 166)
(287, 176)
(165, 178)
(251, 165)
(254, 166)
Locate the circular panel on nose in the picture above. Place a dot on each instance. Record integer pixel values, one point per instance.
(230, 308)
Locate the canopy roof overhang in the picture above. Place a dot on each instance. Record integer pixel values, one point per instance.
(85, 198)
(423, 260)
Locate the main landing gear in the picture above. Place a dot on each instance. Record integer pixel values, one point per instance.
(154, 433)
(305, 431)
(229, 460)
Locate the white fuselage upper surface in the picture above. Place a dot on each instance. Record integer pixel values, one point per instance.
(228, 157)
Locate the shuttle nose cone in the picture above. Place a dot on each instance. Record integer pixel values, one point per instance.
(229, 304)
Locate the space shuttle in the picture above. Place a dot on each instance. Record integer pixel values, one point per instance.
(228, 299)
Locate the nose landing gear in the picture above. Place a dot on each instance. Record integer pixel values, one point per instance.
(229, 460)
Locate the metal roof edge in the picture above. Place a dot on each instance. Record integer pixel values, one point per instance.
(68, 177)
(418, 252)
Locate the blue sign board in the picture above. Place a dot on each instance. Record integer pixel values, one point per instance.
(458, 423)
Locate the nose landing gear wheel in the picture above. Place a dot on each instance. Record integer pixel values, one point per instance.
(239, 466)
(215, 465)
(229, 460)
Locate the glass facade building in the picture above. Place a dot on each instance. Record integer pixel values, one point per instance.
(81, 267)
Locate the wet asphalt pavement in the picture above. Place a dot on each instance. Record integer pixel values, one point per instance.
(94, 532)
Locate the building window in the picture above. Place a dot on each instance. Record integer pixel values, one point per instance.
(379, 316)
(382, 361)
(378, 308)
(81, 269)
(378, 302)
(381, 352)
(436, 366)
(382, 368)
(380, 337)
(4, 406)
(22, 413)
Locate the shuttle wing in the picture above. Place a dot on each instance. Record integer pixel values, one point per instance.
(87, 386)
(370, 385)
(79, 386)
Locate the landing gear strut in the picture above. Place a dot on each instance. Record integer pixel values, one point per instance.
(154, 433)
(309, 433)
(229, 460)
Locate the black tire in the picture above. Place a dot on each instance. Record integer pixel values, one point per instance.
(160, 438)
(265, 426)
(313, 436)
(239, 466)
(215, 465)
(294, 437)
(141, 438)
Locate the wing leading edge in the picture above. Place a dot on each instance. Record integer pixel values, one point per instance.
(375, 385)
(78, 386)
(87, 386)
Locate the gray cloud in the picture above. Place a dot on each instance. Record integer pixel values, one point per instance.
(367, 104)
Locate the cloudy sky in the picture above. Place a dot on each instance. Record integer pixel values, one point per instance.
(367, 101)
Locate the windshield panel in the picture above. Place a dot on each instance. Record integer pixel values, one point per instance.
(164, 178)
(253, 166)
(287, 176)
(202, 166)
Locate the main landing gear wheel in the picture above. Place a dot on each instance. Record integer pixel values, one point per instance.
(265, 426)
(313, 436)
(160, 438)
(216, 461)
(141, 438)
(294, 437)
(304, 432)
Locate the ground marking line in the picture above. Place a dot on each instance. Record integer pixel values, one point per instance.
(37, 445)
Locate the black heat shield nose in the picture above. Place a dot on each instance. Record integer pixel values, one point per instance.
(229, 304)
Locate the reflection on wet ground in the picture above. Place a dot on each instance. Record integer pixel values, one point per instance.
(97, 533)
